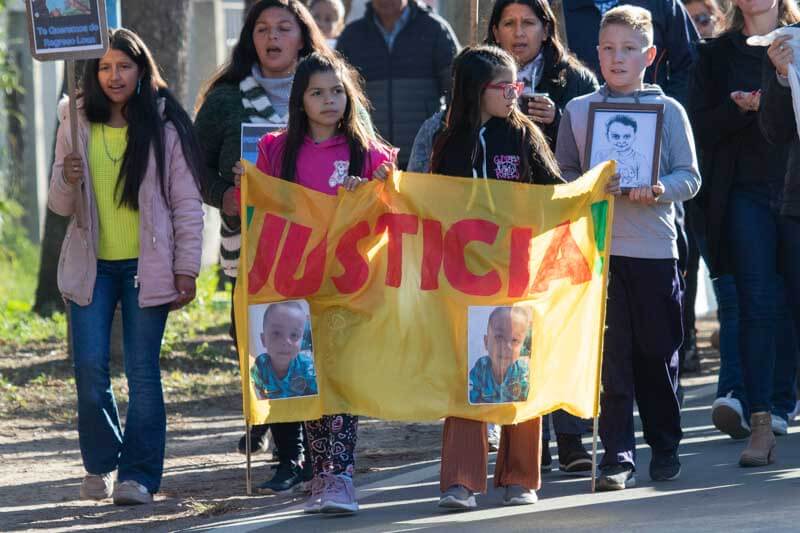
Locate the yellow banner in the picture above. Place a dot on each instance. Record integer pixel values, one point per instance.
(422, 297)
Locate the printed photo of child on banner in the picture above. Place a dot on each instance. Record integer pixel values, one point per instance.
(281, 351)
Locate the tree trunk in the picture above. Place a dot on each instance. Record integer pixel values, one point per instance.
(163, 26)
(48, 298)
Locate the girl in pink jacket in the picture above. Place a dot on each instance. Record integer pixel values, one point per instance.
(327, 145)
(130, 186)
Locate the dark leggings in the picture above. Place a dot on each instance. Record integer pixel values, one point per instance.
(332, 443)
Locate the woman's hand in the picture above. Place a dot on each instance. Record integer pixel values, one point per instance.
(238, 172)
(383, 172)
(747, 101)
(646, 195)
(185, 285)
(73, 169)
(352, 182)
(781, 54)
(230, 202)
(542, 109)
(612, 185)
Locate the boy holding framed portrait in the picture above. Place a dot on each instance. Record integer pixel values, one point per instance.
(649, 136)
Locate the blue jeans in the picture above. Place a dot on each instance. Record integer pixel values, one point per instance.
(137, 453)
(763, 246)
(730, 367)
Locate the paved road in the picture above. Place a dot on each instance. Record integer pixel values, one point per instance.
(712, 494)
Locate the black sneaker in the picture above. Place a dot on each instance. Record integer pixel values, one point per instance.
(615, 477)
(287, 477)
(547, 459)
(259, 440)
(572, 457)
(665, 466)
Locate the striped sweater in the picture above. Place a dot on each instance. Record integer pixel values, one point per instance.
(218, 125)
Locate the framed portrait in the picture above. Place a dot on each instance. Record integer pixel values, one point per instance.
(67, 29)
(629, 134)
(499, 354)
(282, 361)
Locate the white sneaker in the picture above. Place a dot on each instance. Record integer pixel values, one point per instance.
(97, 487)
(494, 437)
(457, 498)
(795, 411)
(519, 495)
(131, 492)
(780, 427)
(728, 417)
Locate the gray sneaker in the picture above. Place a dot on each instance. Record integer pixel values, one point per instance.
(97, 487)
(131, 492)
(457, 498)
(519, 495)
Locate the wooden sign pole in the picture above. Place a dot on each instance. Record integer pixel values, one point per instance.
(473, 22)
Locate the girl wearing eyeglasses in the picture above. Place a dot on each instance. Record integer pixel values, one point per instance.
(486, 136)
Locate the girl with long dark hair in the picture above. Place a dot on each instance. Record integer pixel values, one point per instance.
(325, 130)
(132, 189)
(484, 125)
(254, 86)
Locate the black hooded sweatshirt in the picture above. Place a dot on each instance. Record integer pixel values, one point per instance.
(494, 153)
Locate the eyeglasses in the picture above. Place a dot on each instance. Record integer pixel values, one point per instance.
(510, 89)
(703, 19)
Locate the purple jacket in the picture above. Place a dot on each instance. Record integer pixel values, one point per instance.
(170, 232)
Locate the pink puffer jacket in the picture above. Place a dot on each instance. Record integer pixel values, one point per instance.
(170, 232)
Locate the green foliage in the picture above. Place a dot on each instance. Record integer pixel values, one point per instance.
(209, 309)
(19, 257)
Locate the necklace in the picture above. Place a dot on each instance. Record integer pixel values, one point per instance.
(113, 159)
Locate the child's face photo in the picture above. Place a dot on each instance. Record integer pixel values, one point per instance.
(624, 56)
(621, 136)
(505, 336)
(283, 332)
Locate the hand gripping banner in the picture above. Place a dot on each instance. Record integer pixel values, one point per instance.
(422, 297)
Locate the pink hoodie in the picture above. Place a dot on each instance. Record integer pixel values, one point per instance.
(170, 230)
(320, 166)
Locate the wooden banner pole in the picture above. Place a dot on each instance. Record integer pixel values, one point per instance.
(248, 474)
(594, 451)
(473, 22)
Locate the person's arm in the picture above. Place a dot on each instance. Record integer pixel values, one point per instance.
(680, 40)
(420, 158)
(714, 121)
(210, 133)
(775, 115)
(62, 195)
(682, 180)
(186, 207)
(569, 160)
(445, 49)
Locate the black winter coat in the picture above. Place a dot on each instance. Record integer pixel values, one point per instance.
(563, 81)
(724, 134)
(409, 83)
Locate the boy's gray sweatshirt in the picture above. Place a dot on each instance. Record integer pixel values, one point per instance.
(646, 232)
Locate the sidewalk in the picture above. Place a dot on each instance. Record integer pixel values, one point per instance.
(712, 494)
